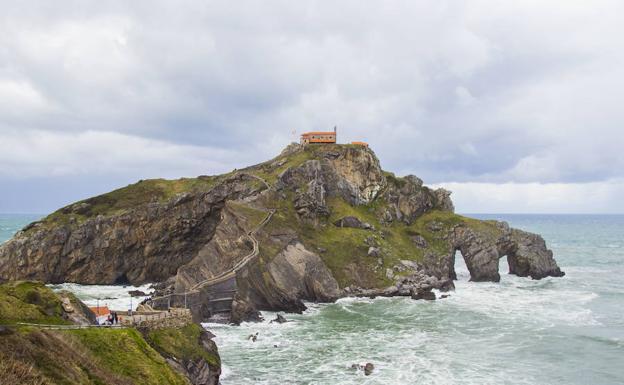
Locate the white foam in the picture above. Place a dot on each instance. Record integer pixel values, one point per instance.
(114, 296)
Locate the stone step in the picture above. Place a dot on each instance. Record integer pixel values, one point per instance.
(222, 299)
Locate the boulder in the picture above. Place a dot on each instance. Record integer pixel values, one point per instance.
(349, 221)
(425, 294)
(244, 311)
(301, 274)
(419, 241)
(279, 319)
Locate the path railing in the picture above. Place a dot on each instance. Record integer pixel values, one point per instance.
(227, 274)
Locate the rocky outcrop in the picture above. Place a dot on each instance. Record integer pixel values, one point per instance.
(146, 244)
(75, 310)
(353, 222)
(302, 274)
(338, 225)
(408, 199)
(529, 256)
(359, 177)
(483, 246)
(228, 245)
(196, 367)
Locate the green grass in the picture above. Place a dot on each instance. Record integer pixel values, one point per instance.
(182, 343)
(347, 246)
(30, 302)
(87, 356)
(253, 215)
(129, 197)
(271, 173)
(125, 352)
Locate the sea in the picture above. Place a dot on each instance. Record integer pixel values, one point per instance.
(566, 330)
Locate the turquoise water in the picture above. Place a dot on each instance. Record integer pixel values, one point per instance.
(555, 331)
(11, 223)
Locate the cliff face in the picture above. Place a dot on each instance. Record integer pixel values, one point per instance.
(146, 243)
(315, 223)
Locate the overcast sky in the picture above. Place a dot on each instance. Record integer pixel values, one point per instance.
(515, 106)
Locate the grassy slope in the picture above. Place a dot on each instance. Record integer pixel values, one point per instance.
(346, 247)
(182, 343)
(86, 356)
(129, 197)
(125, 353)
(161, 190)
(29, 302)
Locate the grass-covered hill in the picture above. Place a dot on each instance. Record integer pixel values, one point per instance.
(34, 355)
(326, 219)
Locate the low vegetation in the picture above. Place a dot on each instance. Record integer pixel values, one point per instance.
(121, 200)
(182, 343)
(98, 356)
(125, 353)
(30, 302)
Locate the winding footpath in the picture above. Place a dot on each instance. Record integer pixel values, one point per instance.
(239, 265)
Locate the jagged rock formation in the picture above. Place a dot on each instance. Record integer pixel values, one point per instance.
(315, 223)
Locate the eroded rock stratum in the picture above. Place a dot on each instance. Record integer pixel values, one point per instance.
(315, 223)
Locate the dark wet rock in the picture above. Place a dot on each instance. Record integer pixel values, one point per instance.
(137, 293)
(529, 257)
(367, 368)
(444, 296)
(424, 294)
(244, 311)
(279, 319)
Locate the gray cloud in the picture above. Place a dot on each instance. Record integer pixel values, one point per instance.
(481, 91)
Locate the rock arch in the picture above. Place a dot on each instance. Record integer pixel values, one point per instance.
(482, 248)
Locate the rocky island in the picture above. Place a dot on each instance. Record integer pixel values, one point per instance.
(316, 223)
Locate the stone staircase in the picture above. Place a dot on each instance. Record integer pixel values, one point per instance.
(213, 295)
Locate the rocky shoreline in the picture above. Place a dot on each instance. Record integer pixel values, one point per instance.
(339, 226)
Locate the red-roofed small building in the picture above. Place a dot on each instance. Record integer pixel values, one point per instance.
(101, 313)
(318, 137)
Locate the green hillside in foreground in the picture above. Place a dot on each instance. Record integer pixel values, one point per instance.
(30, 355)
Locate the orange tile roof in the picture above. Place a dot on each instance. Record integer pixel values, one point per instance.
(318, 133)
(102, 310)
